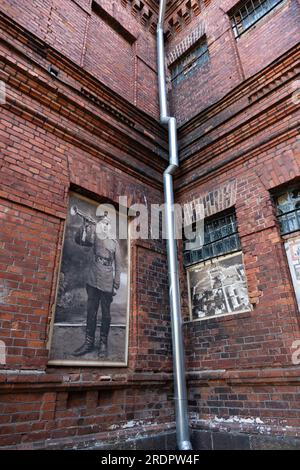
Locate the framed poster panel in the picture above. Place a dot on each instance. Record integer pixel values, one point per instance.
(90, 323)
(292, 247)
(218, 287)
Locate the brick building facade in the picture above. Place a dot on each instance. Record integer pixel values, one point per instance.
(80, 114)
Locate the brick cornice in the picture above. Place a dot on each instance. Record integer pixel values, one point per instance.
(28, 381)
(112, 153)
(146, 12)
(180, 14)
(234, 137)
(213, 169)
(283, 69)
(270, 376)
(117, 151)
(40, 381)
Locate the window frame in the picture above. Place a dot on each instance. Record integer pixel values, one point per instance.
(213, 242)
(182, 69)
(286, 214)
(238, 27)
(291, 237)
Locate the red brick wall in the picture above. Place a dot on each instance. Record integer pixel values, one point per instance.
(231, 60)
(256, 408)
(270, 38)
(54, 137)
(110, 56)
(66, 30)
(80, 419)
(260, 338)
(34, 15)
(80, 34)
(28, 252)
(32, 241)
(146, 93)
(249, 140)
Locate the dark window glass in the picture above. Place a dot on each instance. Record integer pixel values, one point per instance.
(288, 211)
(220, 238)
(248, 12)
(189, 62)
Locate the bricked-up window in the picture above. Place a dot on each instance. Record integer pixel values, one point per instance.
(249, 12)
(288, 211)
(216, 275)
(220, 237)
(192, 60)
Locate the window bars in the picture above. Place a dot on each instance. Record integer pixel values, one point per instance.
(288, 211)
(220, 237)
(249, 12)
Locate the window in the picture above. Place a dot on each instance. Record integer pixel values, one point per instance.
(216, 275)
(249, 12)
(187, 64)
(220, 237)
(288, 211)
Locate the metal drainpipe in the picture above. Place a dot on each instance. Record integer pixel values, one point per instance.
(182, 423)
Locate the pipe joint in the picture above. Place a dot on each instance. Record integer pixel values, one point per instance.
(170, 170)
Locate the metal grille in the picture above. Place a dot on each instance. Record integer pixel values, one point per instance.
(220, 237)
(288, 211)
(250, 12)
(189, 63)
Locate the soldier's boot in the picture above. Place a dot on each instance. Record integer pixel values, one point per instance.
(103, 350)
(87, 347)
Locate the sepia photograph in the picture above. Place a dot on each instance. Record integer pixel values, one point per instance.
(218, 287)
(91, 314)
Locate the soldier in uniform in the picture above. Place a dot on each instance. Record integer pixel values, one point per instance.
(103, 280)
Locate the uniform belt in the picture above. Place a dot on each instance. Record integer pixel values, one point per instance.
(103, 261)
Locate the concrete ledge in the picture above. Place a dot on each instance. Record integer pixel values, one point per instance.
(201, 440)
(208, 440)
(161, 441)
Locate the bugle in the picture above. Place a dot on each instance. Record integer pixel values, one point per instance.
(86, 217)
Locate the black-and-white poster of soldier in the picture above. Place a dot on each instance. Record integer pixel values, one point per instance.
(91, 316)
(218, 287)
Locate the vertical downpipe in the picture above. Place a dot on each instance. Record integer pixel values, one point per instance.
(182, 424)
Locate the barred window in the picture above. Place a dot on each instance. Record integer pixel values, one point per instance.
(249, 12)
(220, 237)
(216, 275)
(288, 211)
(187, 64)
(288, 214)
